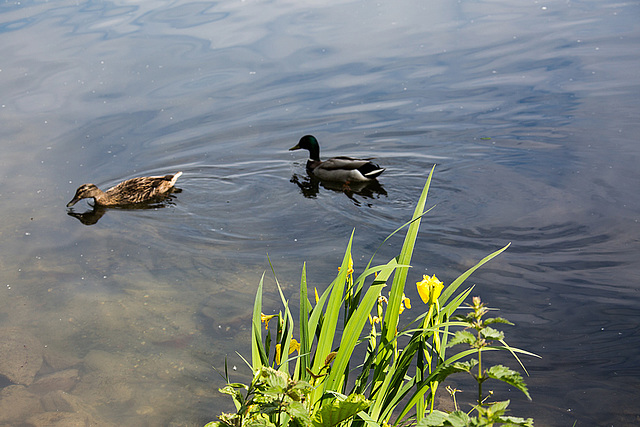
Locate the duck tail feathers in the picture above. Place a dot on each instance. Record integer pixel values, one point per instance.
(374, 173)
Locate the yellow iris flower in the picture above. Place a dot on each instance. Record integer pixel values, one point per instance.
(429, 289)
(265, 319)
(293, 346)
(405, 303)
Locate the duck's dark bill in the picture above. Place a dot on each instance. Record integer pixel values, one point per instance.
(72, 202)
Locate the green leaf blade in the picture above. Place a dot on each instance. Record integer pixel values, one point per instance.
(509, 376)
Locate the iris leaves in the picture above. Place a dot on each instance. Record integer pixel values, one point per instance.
(356, 364)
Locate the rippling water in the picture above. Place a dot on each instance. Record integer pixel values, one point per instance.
(529, 110)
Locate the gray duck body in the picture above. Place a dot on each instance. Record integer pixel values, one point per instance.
(341, 168)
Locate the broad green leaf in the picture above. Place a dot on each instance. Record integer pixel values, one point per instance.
(499, 407)
(458, 419)
(335, 411)
(515, 421)
(462, 337)
(497, 320)
(275, 380)
(299, 413)
(460, 367)
(492, 334)
(509, 376)
(439, 418)
(435, 418)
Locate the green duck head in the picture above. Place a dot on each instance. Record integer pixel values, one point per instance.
(309, 142)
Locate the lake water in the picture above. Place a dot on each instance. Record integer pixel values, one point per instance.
(530, 109)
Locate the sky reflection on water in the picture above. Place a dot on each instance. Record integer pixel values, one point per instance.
(529, 110)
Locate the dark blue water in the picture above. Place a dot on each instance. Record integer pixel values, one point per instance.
(529, 110)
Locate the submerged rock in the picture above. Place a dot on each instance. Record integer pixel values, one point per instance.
(60, 401)
(16, 403)
(62, 380)
(73, 410)
(61, 419)
(58, 361)
(20, 355)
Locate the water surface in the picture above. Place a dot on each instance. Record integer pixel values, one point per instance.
(529, 110)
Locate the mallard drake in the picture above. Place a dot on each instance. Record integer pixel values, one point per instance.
(342, 169)
(132, 191)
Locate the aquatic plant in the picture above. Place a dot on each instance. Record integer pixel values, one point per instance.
(486, 414)
(402, 366)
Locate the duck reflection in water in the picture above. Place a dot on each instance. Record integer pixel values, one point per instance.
(149, 192)
(93, 215)
(310, 187)
(89, 217)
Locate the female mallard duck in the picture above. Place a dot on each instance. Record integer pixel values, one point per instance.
(343, 169)
(132, 191)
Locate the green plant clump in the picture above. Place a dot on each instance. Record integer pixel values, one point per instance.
(397, 380)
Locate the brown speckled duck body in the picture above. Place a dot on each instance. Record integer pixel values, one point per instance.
(130, 192)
